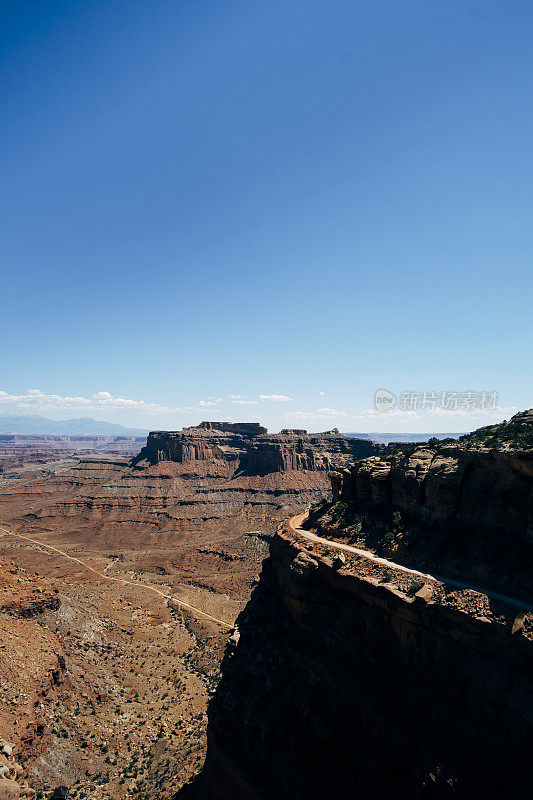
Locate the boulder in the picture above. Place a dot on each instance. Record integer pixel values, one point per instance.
(9, 790)
(302, 566)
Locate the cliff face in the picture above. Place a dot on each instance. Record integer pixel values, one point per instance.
(465, 510)
(464, 487)
(249, 448)
(356, 671)
(340, 686)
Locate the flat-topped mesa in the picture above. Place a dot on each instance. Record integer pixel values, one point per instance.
(250, 448)
(242, 428)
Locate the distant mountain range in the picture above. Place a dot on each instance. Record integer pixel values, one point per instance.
(385, 438)
(77, 426)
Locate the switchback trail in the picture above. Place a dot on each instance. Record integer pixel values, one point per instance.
(296, 522)
(124, 581)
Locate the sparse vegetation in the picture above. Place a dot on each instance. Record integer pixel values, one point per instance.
(414, 587)
(396, 520)
(516, 433)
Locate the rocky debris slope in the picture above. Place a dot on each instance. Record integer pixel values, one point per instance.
(198, 531)
(339, 685)
(12, 783)
(24, 597)
(31, 663)
(247, 447)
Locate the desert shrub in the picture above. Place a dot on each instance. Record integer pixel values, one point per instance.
(396, 519)
(339, 510)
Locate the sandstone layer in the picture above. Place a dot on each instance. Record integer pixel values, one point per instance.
(455, 510)
(248, 448)
(24, 453)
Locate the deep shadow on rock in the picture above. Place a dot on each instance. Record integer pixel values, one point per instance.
(341, 687)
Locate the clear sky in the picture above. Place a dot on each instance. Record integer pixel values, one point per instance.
(266, 210)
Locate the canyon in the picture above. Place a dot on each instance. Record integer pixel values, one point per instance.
(149, 559)
(467, 511)
(46, 453)
(233, 613)
(354, 672)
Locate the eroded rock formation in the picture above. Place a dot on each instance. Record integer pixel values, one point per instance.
(341, 686)
(349, 677)
(463, 510)
(20, 450)
(249, 448)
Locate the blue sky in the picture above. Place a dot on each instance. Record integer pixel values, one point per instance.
(249, 210)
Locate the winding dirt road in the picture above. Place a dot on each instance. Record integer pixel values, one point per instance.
(124, 581)
(297, 521)
(295, 524)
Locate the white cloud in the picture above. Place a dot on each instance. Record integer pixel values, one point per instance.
(240, 400)
(372, 413)
(276, 398)
(332, 412)
(35, 400)
(210, 403)
(436, 420)
(497, 413)
(321, 394)
(321, 414)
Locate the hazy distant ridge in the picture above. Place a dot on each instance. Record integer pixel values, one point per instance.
(385, 438)
(65, 427)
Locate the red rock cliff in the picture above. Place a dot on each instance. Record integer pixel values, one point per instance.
(462, 510)
(354, 677)
(251, 449)
(339, 686)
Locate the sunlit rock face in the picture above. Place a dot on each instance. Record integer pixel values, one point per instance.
(251, 449)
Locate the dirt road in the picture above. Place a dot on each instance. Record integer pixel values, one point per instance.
(36, 542)
(296, 522)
